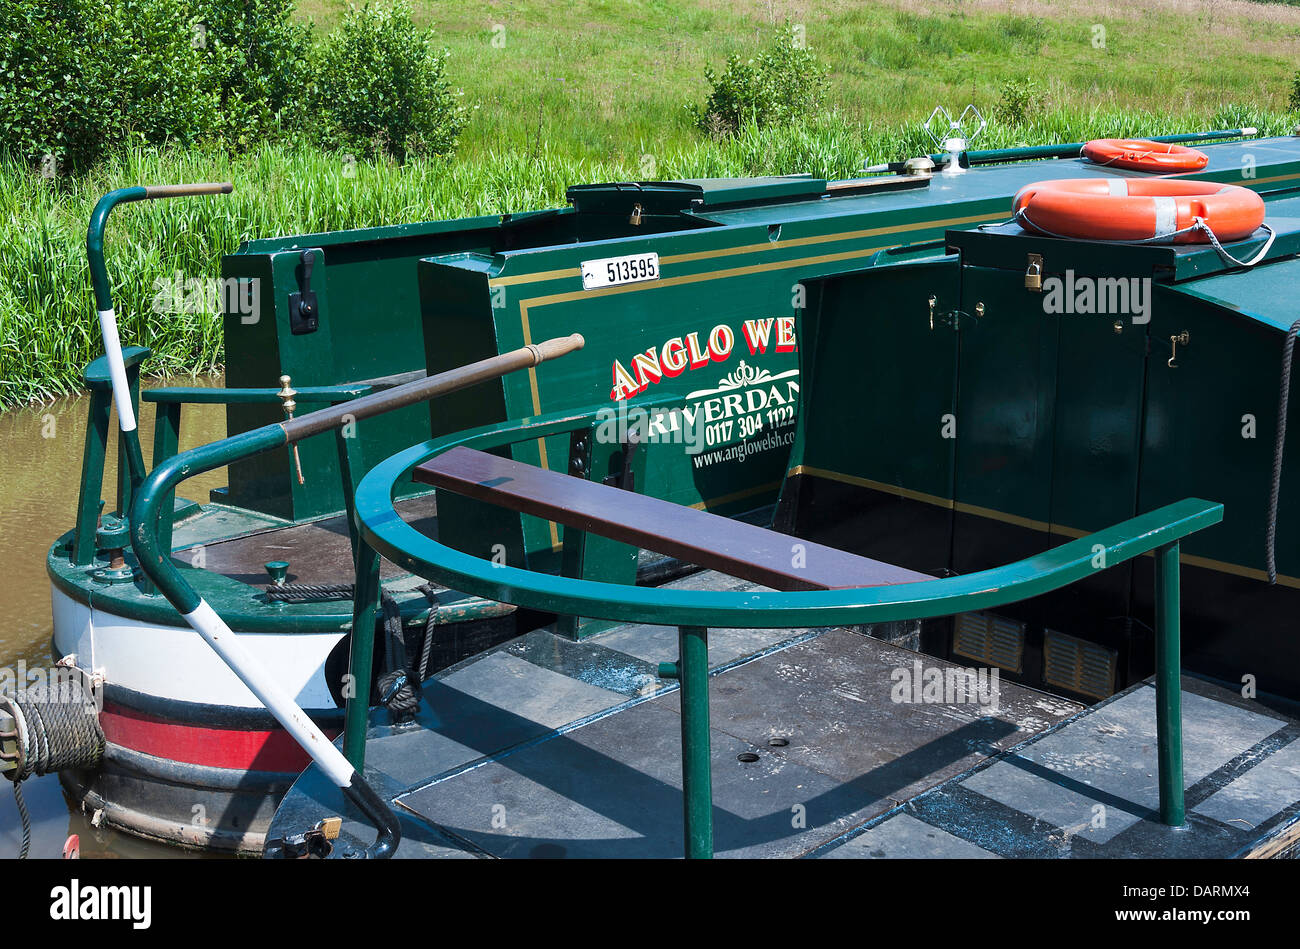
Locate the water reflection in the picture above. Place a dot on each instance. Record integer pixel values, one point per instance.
(40, 476)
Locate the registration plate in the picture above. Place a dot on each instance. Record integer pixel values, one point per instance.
(613, 271)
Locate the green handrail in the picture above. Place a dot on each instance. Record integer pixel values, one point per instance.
(122, 392)
(167, 422)
(694, 611)
(98, 379)
(992, 156)
(403, 545)
(156, 560)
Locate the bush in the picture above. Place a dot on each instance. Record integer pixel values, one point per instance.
(1293, 103)
(83, 78)
(41, 88)
(79, 77)
(1017, 102)
(260, 64)
(783, 84)
(380, 87)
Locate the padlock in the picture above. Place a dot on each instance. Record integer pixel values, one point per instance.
(1034, 274)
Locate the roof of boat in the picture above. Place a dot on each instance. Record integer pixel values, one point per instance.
(1228, 161)
(1264, 294)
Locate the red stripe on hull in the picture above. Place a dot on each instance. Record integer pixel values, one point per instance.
(235, 749)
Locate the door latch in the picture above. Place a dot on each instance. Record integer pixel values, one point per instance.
(625, 476)
(1183, 339)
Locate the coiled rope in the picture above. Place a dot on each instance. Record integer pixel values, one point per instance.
(26, 821)
(1275, 485)
(57, 730)
(399, 685)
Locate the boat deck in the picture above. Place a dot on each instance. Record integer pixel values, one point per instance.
(545, 747)
(237, 543)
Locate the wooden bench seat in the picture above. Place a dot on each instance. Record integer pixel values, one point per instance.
(718, 543)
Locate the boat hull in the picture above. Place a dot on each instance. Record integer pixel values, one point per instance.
(191, 758)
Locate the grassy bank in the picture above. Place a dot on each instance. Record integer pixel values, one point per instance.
(594, 90)
(608, 78)
(47, 331)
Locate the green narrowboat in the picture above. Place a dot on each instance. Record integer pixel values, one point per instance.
(784, 372)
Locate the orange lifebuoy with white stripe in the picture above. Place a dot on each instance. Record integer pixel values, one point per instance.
(1140, 155)
(1162, 210)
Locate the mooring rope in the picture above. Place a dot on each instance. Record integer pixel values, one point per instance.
(399, 686)
(432, 620)
(58, 732)
(1275, 486)
(25, 819)
(61, 734)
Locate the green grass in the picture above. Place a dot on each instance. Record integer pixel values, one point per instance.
(628, 67)
(608, 78)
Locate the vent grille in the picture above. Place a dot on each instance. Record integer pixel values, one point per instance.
(990, 639)
(1078, 665)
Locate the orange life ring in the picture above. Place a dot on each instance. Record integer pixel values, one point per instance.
(1138, 209)
(1140, 155)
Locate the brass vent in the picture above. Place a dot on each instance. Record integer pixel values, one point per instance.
(992, 640)
(1078, 665)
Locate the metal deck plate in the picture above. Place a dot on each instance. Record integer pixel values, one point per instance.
(1109, 761)
(479, 709)
(1253, 798)
(612, 786)
(613, 789)
(546, 747)
(905, 837)
(1088, 789)
(318, 552)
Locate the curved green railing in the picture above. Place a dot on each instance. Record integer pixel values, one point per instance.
(155, 556)
(382, 531)
(403, 545)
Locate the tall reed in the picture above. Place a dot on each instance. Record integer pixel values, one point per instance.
(47, 327)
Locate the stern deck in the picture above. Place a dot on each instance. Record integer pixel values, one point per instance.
(547, 747)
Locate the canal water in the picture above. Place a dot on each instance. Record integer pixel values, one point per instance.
(40, 476)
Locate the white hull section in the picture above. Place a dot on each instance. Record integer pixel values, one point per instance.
(174, 662)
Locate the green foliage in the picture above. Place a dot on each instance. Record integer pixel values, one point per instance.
(47, 330)
(85, 78)
(260, 62)
(41, 88)
(152, 81)
(783, 84)
(1293, 101)
(380, 87)
(82, 77)
(1026, 32)
(1018, 97)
